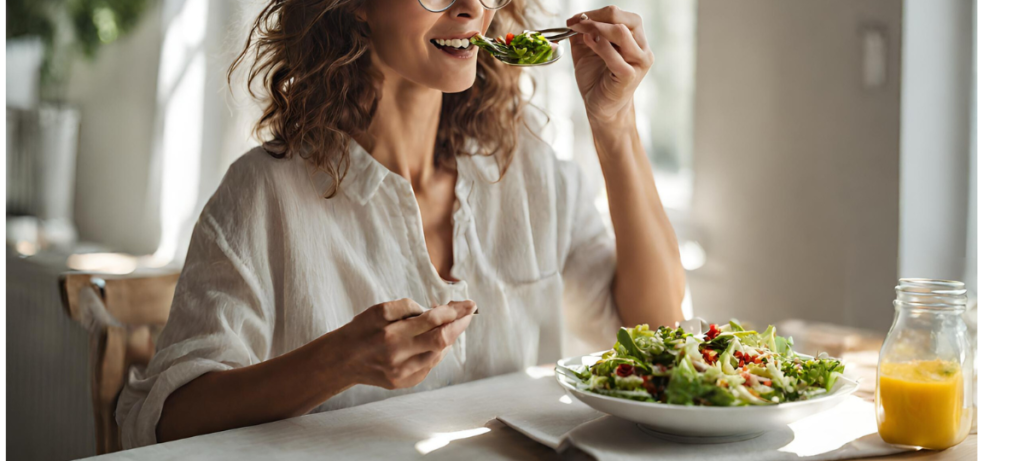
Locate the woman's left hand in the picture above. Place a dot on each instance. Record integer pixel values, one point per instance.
(610, 56)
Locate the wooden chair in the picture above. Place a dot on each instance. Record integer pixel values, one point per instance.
(124, 315)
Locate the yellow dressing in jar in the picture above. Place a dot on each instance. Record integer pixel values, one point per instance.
(920, 403)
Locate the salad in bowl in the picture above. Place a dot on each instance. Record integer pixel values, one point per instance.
(723, 385)
(728, 366)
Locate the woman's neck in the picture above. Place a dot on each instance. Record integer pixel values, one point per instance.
(404, 129)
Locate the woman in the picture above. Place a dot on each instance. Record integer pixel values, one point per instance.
(398, 176)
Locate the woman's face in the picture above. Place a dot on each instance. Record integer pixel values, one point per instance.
(408, 40)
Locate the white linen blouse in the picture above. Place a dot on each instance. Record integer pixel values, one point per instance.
(272, 265)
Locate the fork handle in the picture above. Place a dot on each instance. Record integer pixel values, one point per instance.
(557, 34)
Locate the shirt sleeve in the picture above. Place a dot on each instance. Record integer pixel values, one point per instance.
(588, 273)
(222, 316)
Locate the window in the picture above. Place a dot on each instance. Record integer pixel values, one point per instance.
(664, 111)
(664, 101)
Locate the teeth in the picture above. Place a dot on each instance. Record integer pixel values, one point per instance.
(462, 43)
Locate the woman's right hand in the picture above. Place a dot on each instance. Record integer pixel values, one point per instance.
(383, 346)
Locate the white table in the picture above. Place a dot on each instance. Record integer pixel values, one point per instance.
(455, 423)
(389, 429)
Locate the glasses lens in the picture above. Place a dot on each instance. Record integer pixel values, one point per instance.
(441, 5)
(495, 4)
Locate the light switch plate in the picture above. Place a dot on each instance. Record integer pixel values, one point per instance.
(874, 48)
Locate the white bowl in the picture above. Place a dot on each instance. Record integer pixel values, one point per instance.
(700, 424)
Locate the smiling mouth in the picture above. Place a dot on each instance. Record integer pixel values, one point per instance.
(455, 43)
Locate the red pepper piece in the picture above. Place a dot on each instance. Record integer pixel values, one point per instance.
(712, 333)
(649, 386)
(624, 370)
(508, 38)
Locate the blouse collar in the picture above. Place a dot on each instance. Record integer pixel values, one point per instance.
(365, 173)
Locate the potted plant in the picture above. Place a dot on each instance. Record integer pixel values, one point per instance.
(44, 37)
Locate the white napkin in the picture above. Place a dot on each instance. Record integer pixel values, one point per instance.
(845, 431)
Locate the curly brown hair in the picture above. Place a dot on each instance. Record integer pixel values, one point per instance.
(312, 59)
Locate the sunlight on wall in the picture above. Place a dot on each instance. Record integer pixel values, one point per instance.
(180, 93)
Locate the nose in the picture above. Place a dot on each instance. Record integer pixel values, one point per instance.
(466, 9)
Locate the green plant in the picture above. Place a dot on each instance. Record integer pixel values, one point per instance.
(99, 22)
(71, 27)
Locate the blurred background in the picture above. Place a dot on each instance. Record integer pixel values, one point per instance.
(808, 153)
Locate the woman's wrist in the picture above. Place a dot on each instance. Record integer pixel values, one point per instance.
(615, 139)
(625, 119)
(333, 365)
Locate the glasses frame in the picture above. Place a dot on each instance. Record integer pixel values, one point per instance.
(452, 2)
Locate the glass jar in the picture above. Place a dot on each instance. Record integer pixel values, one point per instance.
(924, 393)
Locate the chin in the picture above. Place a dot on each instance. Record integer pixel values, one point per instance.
(457, 85)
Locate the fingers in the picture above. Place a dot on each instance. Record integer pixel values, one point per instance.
(441, 337)
(408, 349)
(429, 320)
(615, 15)
(411, 371)
(418, 362)
(578, 48)
(414, 369)
(436, 317)
(616, 64)
(396, 310)
(433, 330)
(619, 35)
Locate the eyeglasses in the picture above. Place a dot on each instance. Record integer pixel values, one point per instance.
(437, 6)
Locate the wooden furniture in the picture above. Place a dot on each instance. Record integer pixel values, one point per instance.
(123, 315)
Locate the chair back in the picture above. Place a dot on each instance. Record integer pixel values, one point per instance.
(123, 314)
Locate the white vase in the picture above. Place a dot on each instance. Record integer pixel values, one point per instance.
(42, 158)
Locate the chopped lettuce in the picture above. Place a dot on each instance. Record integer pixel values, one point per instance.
(728, 366)
(528, 47)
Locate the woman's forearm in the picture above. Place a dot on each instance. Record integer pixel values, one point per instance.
(392, 345)
(282, 387)
(649, 278)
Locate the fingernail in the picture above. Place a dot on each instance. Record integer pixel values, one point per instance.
(583, 17)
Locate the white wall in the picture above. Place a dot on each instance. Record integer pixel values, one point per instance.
(936, 138)
(117, 97)
(122, 159)
(796, 162)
